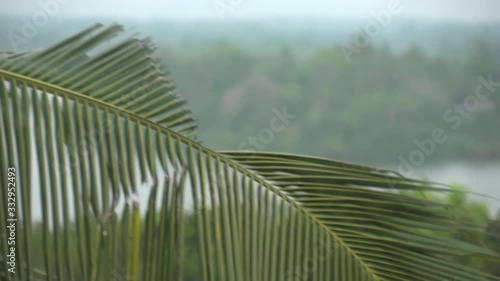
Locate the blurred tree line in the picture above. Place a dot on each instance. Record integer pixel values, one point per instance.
(371, 110)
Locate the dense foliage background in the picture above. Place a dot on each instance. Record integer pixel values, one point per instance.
(343, 110)
(395, 91)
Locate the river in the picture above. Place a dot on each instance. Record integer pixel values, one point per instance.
(479, 178)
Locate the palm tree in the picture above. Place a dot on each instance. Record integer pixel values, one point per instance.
(94, 125)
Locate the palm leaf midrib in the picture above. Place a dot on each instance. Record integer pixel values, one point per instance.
(61, 91)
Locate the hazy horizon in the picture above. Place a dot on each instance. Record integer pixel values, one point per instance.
(479, 11)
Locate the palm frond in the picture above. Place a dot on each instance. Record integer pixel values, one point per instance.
(385, 233)
(119, 71)
(94, 126)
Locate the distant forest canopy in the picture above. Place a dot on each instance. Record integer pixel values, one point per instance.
(287, 86)
(305, 36)
(372, 110)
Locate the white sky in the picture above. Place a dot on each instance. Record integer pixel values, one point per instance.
(470, 10)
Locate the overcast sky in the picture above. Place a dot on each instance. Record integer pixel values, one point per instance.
(470, 10)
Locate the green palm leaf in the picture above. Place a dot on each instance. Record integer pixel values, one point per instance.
(93, 124)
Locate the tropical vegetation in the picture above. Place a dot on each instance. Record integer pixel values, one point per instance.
(92, 125)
